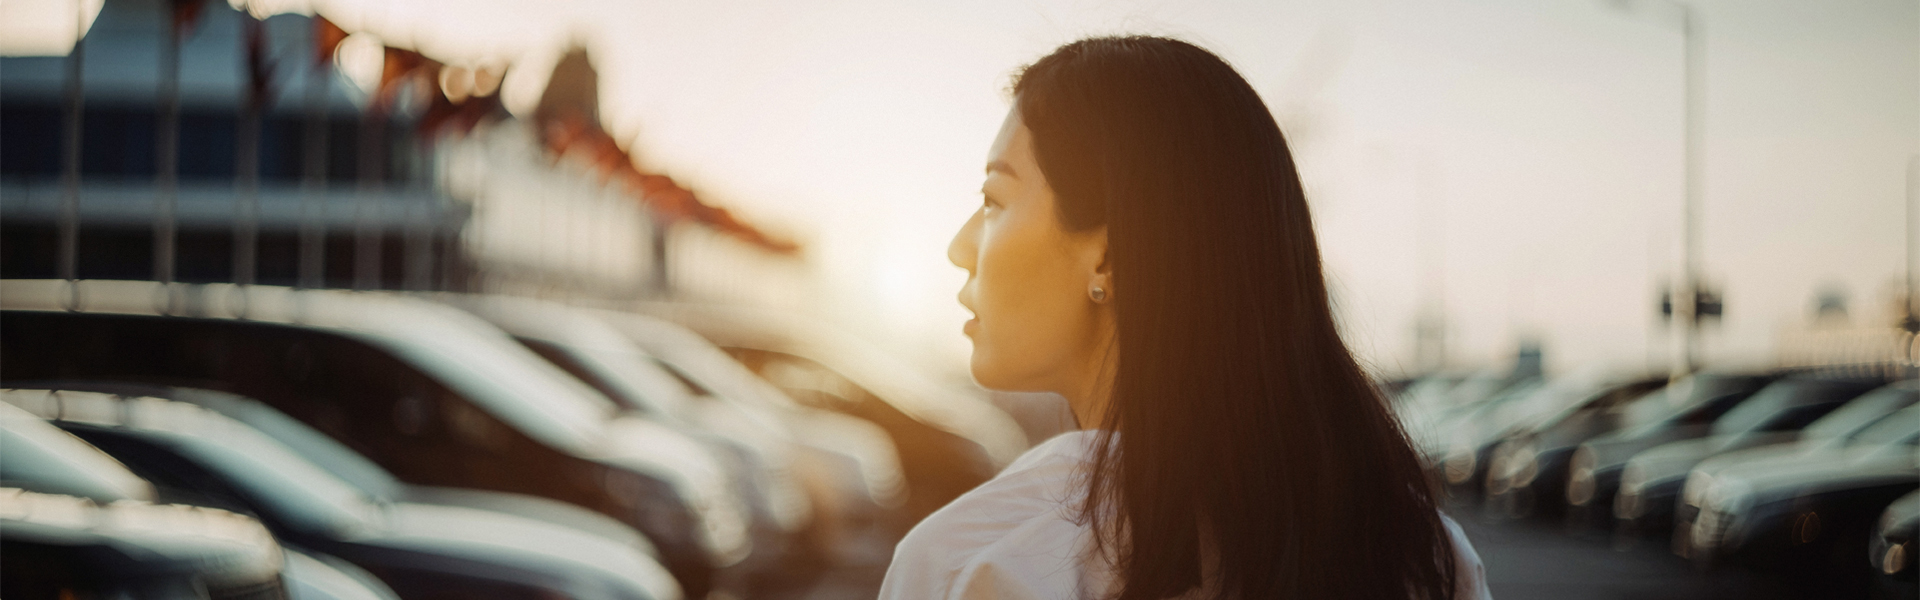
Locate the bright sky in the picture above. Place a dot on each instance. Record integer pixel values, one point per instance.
(1535, 143)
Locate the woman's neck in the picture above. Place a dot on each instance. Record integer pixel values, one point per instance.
(1093, 398)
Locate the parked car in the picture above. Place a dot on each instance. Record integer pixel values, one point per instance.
(200, 457)
(850, 466)
(1478, 430)
(1809, 517)
(1455, 439)
(1427, 403)
(1533, 454)
(76, 523)
(1684, 410)
(1837, 429)
(372, 480)
(430, 393)
(1895, 542)
(757, 450)
(949, 441)
(1651, 481)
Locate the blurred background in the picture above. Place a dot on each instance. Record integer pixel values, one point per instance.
(434, 298)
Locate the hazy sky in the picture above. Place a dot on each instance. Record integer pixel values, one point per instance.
(1535, 143)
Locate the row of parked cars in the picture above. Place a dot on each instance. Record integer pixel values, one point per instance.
(1809, 475)
(255, 442)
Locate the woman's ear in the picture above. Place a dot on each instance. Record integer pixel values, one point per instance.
(1099, 267)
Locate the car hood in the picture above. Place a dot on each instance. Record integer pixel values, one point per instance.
(1789, 476)
(1667, 461)
(536, 508)
(1674, 460)
(557, 557)
(1716, 464)
(1613, 450)
(693, 469)
(133, 539)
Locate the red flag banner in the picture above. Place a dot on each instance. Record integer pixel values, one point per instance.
(570, 134)
(403, 67)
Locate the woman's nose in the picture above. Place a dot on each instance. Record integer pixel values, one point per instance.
(965, 247)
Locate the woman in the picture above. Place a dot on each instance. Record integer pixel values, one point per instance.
(1144, 249)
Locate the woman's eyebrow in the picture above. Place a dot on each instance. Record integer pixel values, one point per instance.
(1002, 167)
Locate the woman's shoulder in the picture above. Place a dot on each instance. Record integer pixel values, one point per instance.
(1469, 575)
(1041, 484)
(1018, 528)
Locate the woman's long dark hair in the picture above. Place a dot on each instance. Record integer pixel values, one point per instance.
(1241, 428)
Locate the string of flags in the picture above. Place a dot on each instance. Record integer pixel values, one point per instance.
(458, 99)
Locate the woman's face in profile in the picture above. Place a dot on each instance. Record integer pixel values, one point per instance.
(1035, 328)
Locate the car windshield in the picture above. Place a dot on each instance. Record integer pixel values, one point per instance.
(1890, 429)
(1761, 407)
(487, 367)
(1659, 409)
(634, 374)
(283, 483)
(1860, 413)
(1555, 398)
(1787, 405)
(310, 444)
(42, 458)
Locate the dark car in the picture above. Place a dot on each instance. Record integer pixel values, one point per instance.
(199, 457)
(376, 482)
(1809, 517)
(1859, 419)
(1533, 456)
(430, 393)
(76, 523)
(949, 441)
(1476, 431)
(1894, 547)
(1683, 410)
(1651, 481)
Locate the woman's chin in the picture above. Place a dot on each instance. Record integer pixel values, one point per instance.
(996, 377)
(984, 373)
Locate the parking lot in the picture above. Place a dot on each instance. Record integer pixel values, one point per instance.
(1535, 561)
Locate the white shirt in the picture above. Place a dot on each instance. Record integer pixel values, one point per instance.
(1016, 538)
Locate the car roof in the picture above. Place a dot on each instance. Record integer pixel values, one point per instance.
(463, 352)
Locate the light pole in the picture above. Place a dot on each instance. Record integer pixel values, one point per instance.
(1686, 294)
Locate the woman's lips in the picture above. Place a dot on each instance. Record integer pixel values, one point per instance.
(972, 325)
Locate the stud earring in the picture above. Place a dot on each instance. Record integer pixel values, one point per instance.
(1098, 294)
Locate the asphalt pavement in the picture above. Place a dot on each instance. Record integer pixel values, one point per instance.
(1527, 560)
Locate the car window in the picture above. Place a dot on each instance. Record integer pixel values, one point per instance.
(309, 444)
(270, 474)
(626, 374)
(1795, 418)
(1768, 409)
(1860, 413)
(1764, 405)
(1891, 428)
(506, 379)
